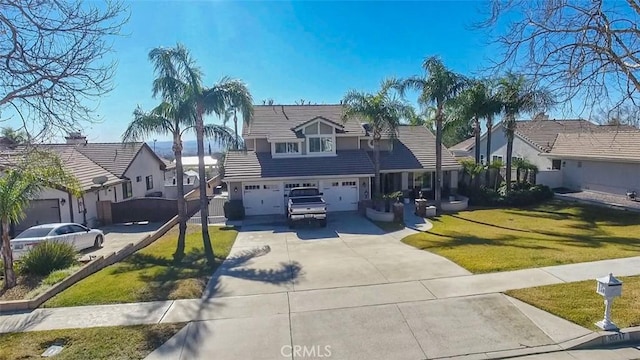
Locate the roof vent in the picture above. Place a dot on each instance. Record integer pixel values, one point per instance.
(76, 137)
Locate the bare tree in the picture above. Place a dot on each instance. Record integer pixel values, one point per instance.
(53, 59)
(587, 51)
(620, 116)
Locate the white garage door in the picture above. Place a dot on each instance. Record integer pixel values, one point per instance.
(341, 194)
(263, 198)
(40, 212)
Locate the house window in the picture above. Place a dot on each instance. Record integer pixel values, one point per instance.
(335, 183)
(289, 186)
(252, 187)
(321, 144)
(555, 164)
(309, 185)
(287, 148)
(515, 158)
(422, 180)
(348, 183)
(270, 187)
(138, 178)
(149, 180)
(127, 192)
(496, 158)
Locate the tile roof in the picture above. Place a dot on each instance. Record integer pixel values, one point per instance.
(543, 133)
(280, 120)
(114, 157)
(617, 146)
(83, 168)
(464, 145)
(251, 165)
(414, 148)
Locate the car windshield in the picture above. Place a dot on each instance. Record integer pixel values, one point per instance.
(35, 232)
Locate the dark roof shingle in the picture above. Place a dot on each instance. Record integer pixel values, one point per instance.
(250, 165)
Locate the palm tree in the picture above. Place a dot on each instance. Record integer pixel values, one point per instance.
(470, 105)
(518, 95)
(166, 119)
(383, 112)
(438, 87)
(493, 107)
(227, 93)
(20, 184)
(232, 115)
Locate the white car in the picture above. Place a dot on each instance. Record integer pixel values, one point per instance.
(77, 235)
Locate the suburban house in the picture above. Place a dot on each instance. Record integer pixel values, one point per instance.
(112, 172)
(598, 161)
(309, 145)
(189, 181)
(535, 140)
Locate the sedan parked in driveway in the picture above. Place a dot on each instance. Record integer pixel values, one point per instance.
(79, 236)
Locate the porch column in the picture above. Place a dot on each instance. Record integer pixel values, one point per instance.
(404, 180)
(454, 179)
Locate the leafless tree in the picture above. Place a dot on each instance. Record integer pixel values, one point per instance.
(54, 60)
(619, 116)
(585, 51)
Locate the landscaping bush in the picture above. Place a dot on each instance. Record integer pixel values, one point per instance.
(522, 194)
(48, 257)
(234, 210)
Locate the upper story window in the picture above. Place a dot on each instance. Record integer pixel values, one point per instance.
(287, 148)
(320, 138)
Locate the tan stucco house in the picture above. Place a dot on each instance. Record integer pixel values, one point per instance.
(309, 145)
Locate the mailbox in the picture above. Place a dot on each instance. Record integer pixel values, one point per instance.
(609, 287)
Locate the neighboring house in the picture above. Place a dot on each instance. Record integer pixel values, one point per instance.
(113, 172)
(533, 140)
(189, 180)
(309, 145)
(605, 162)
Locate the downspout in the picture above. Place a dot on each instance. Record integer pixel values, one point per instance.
(70, 207)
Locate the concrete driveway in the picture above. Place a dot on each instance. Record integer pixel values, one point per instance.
(349, 291)
(118, 236)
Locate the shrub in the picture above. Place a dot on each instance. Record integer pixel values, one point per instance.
(47, 257)
(234, 210)
(520, 195)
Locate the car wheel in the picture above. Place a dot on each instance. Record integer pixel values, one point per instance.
(98, 242)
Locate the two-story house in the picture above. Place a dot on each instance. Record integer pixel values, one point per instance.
(113, 172)
(309, 145)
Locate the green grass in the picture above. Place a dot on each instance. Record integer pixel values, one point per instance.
(130, 342)
(150, 274)
(553, 233)
(578, 302)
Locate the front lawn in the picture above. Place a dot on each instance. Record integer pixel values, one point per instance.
(389, 226)
(578, 302)
(150, 274)
(553, 233)
(120, 342)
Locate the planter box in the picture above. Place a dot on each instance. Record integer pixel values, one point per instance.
(457, 205)
(379, 215)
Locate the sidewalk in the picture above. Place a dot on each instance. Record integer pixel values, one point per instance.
(311, 300)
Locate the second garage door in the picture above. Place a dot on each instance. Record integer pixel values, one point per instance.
(341, 194)
(263, 198)
(40, 212)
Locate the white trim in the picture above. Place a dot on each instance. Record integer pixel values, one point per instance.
(276, 155)
(283, 139)
(444, 168)
(254, 179)
(321, 153)
(317, 119)
(589, 158)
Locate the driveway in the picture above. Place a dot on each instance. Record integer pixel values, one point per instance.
(118, 236)
(349, 291)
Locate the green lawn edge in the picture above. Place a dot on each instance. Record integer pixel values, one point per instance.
(150, 274)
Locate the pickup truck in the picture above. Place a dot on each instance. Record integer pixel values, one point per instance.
(306, 204)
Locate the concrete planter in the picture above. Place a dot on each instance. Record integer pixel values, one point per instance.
(379, 215)
(458, 204)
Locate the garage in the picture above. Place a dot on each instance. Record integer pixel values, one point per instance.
(340, 194)
(40, 212)
(263, 198)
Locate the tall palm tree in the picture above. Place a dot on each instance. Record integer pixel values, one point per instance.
(470, 105)
(166, 119)
(519, 95)
(18, 185)
(227, 93)
(232, 115)
(438, 87)
(382, 111)
(493, 107)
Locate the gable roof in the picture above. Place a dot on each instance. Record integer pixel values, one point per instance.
(280, 121)
(114, 157)
(617, 146)
(543, 133)
(414, 148)
(464, 145)
(83, 168)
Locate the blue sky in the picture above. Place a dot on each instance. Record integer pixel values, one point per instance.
(289, 50)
